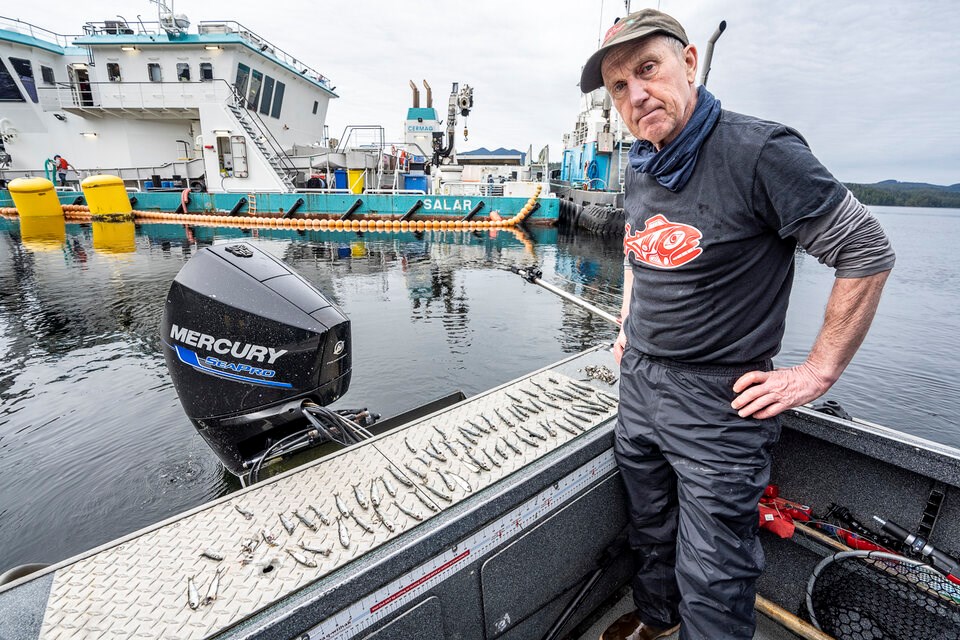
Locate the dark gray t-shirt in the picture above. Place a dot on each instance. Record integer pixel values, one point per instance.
(713, 264)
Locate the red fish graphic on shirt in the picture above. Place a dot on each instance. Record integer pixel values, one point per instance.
(663, 243)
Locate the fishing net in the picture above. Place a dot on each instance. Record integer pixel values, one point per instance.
(861, 595)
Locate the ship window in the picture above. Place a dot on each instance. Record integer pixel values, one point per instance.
(113, 72)
(277, 100)
(315, 105)
(47, 74)
(253, 95)
(24, 69)
(206, 71)
(153, 72)
(243, 77)
(267, 96)
(9, 92)
(183, 72)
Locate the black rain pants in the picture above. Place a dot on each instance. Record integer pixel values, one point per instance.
(694, 473)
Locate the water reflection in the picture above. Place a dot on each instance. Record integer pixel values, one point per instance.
(92, 434)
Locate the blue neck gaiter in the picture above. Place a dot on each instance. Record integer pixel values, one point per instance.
(673, 165)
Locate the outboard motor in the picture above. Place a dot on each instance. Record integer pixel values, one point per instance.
(248, 342)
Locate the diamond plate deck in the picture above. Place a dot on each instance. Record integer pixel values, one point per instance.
(138, 588)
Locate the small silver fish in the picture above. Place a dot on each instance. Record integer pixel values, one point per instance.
(434, 453)
(399, 477)
(246, 514)
(466, 435)
(525, 440)
(565, 427)
(546, 427)
(423, 461)
(552, 404)
(461, 481)
(193, 593)
(538, 385)
(528, 392)
(440, 431)
(536, 405)
(475, 434)
(520, 415)
(512, 397)
(410, 447)
(576, 425)
(323, 551)
(504, 420)
(249, 545)
(324, 520)
(477, 461)
(343, 533)
(361, 499)
(423, 499)
(500, 450)
(302, 559)
(438, 493)
(478, 427)
(307, 522)
(374, 494)
(214, 587)
(532, 433)
(414, 472)
(492, 460)
(384, 520)
(410, 513)
(211, 554)
(453, 449)
(362, 524)
(392, 490)
(487, 420)
(270, 539)
(287, 524)
(341, 506)
(451, 486)
(512, 446)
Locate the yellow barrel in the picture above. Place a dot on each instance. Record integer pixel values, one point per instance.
(355, 180)
(106, 195)
(35, 197)
(43, 233)
(114, 237)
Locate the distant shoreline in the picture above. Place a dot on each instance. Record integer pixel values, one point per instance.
(906, 194)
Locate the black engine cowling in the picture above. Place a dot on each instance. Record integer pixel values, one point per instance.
(247, 341)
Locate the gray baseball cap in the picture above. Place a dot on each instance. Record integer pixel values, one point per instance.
(639, 24)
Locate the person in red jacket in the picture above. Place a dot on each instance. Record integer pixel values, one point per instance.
(61, 165)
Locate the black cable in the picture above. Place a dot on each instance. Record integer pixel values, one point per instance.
(299, 435)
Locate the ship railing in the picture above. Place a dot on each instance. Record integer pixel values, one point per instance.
(25, 28)
(232, 27)
(126, 96)
(388, 191)
(188, 169)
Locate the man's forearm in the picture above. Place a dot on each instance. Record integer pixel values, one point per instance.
(850, 310)
(627, 290)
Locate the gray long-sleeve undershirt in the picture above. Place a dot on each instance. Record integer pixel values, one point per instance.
(848, 239)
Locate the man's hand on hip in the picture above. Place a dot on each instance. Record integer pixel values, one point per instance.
(619, 346)
(765, 394)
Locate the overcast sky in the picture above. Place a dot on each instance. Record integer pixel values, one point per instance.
(873, 86)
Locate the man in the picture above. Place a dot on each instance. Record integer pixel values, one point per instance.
(716, 203)
(61, 166)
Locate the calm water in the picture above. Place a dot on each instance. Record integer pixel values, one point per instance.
(94, 444)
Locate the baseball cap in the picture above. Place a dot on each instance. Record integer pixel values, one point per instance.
(639, 24)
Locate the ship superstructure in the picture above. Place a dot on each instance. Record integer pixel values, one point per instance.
(218, 109)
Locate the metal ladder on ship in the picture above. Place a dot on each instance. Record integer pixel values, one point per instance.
(281, 163)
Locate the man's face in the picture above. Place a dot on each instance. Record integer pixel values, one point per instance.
(652, 87)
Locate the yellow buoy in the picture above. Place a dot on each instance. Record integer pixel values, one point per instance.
(43, 233)
(106, 195)
(114, 237)
(35, 197)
